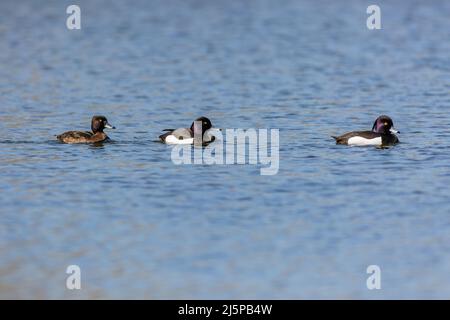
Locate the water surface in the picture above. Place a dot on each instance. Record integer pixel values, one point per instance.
(141, 227)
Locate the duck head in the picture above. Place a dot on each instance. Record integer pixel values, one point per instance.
(200, 126)
(99, 123)
(384, 125)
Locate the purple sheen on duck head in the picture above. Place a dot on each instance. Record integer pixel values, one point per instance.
(382, 125)
(378, 126)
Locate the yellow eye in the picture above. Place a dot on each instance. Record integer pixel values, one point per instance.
(385, 123)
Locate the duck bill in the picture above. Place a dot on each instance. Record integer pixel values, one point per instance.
(393, 130)
(108, 126)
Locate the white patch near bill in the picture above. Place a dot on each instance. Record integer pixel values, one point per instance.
(360, 141)
(171, 139)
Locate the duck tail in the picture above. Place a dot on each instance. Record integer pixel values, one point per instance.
(163, 137)
(339, 140)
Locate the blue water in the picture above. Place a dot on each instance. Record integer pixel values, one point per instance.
(141, 227)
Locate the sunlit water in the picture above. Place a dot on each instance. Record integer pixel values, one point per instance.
(141, 227)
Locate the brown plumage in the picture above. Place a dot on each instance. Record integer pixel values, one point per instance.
(98, 124)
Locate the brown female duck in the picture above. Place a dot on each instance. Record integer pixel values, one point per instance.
(98, 123)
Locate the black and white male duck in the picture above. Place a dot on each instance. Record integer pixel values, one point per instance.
(200, 129)
(382, 134)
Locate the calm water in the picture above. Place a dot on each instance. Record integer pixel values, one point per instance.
(141, 227)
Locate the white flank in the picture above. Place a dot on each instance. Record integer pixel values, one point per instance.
(360, 141)
(171, 139)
